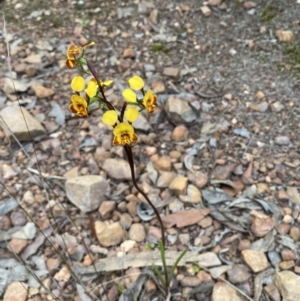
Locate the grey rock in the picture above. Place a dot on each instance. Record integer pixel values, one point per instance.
(87, 192)
(137, 232)
(149, 67)
(117, 169)
(179, 111)
(282, 140)
(14, 119)
(26, 232)
(8, 205)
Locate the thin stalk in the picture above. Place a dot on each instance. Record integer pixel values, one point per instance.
(130, 160)
(95, 75)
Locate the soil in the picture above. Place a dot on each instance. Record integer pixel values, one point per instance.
(233, 53)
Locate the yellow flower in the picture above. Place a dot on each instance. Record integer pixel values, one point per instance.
(78, 105)
(129, 95)
(92, 88)
(110, 117)
(131, 114)
(72, 51)
(136, 83)
(124, 134)
(78, 83)
(149, 101)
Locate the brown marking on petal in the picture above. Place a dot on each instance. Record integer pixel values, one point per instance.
(70, 63)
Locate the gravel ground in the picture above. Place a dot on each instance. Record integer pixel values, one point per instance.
(222, 167)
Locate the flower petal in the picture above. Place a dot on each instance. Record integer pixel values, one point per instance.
(131, 114)
(78, 83)
(88, 45)
(123, 127)
(149, 101)
(136, 83)
(72, 51)
(78, 100)
(70, 63)
(129, 95)
(91, 89)
(107, 83)
(124, 134)
(110, 117)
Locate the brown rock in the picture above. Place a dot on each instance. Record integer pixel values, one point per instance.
(190, 281)
(244, 244)
(184, 218)
(260, 95)
(18, 218)
(222, 172)
(108, 235)
(150, 286)
(204, 276)
(165, 179)
(261, 224)
(272, 292)
(137, 232)
(178, 185)
(295, 233)
(224, 292)
(171, 72)
(249, 5)
(158, 87)
(206, 222)
(263, 188)
(284, 36)
(283, 228)
(53, 264)
(256, 260)
(286, 264)
(16, 291)
(17, 245)
(199, 178)
(238, 274)
(206, 11)
(287, 283)
(132, 207)
(282, 195)
(287, 254)
(214, 2)
(294, 194)
(41, 91)
(129, 53)
(63, 274)
(125, 221)
(180, 133)
(106, 208)
(5, 223)
(193, 195)
(174, 154)
(163, 163)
